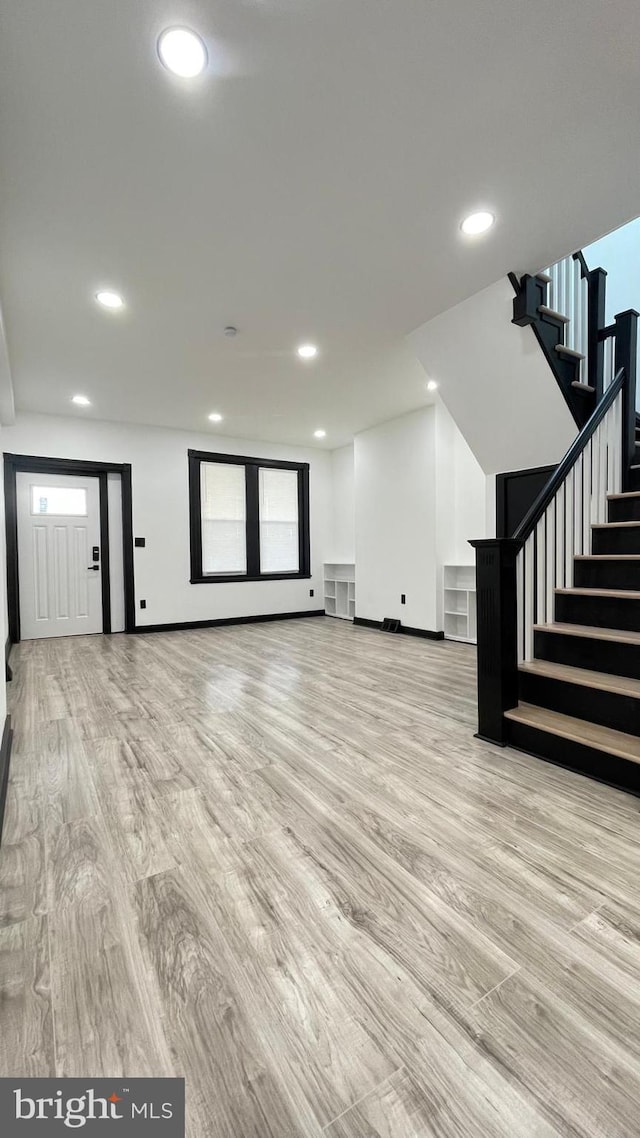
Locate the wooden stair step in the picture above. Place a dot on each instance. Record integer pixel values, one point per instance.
(578, 731)
(615, 525)
(607, 557)
(582, 388)
(623, 594)
(565, 351)
(617, 634)
(603, 681)
(544, 277)
(546, 311)
(626, 494)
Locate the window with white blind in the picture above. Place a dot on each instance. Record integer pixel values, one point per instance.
(249, 518)
(224, 518)
(279, 552)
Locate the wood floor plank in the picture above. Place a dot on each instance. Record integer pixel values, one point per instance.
(231, 1089)
(106, 1018)
(26, 1035)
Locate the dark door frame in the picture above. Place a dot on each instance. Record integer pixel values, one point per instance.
(32, 464)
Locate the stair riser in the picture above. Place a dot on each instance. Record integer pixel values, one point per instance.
(576, 756)
(622, 712)
(596, 655)
(607, 575)
(634, 480)
(616, 540)
(624, 510)
(598, 612)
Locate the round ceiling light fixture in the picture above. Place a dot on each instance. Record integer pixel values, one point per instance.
(81, 400)
(307, 351)
(319, 434)
(109, 299)
(477, 223)
(432, 385)
(215, 417)
(182, 52)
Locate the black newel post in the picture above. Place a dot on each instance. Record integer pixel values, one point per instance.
(597, 283)
(627, 357)
(497, 634)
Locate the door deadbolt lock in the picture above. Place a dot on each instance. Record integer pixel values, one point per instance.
(94, 567)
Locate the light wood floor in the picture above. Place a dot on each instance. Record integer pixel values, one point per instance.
(273, 859)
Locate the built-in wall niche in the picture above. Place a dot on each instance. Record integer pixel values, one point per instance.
(460, 620)
(340, 590)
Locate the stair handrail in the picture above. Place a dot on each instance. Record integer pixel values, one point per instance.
(548, 492)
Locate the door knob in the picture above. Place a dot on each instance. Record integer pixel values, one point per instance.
(94, 567)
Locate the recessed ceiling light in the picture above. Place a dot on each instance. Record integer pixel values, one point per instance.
(432, 385)
(307, 351)
(109, 299)
(319, 434)
(215, 417)
(81, 400)
(477, 223)
(183, 52)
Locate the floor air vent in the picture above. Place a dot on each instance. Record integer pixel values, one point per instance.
(390, 625)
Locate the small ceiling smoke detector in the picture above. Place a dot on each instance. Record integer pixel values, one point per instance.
(230, 331)
(477, 223)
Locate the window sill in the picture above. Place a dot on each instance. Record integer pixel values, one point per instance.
(224, 579)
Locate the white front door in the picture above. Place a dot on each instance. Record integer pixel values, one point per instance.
(58, 535)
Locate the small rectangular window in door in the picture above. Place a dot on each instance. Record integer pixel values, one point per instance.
(65, 501)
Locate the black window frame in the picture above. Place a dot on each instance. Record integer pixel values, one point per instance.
(252, 467)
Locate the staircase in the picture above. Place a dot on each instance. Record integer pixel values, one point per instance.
(559, 602)
(579, 697)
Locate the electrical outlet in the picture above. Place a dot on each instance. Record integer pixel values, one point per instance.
(143, 604)
(403, 598)
(311, 592)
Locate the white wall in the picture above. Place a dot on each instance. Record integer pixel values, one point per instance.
(420, 495)
(161, 513)
(395, 520)
(496, 383)
(619, 254)
(343, 537)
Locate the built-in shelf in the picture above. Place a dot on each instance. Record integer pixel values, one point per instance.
(340, 590)
(460, 621)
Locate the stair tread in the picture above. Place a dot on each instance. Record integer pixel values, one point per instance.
(607, 557)
(626, 494)
(565, 351)
(605, 681)
(544, 277)
(585, 388)
(546, 311)
(622, 594)
(578, 730)
(614, 525)
(620, 634)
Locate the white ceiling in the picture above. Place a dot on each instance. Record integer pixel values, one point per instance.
(309, 186)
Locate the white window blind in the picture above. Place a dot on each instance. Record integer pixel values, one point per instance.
(224, 535)
(279, 548)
